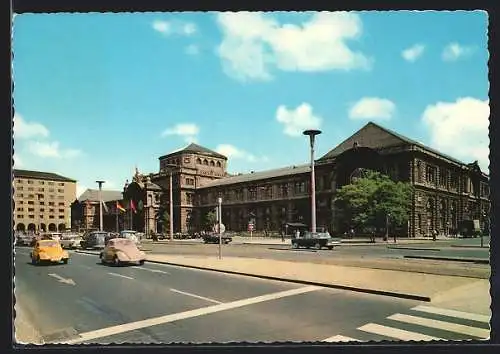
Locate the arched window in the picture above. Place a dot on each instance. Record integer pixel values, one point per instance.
(205, 162)
(212, 163)
(198, 161)
(219, 164)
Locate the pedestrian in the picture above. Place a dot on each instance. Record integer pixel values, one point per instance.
(297, 234)
(434, 235)
(372, 235)
(351, 233)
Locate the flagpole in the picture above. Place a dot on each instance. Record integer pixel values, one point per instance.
(100, 203)
(116, 217)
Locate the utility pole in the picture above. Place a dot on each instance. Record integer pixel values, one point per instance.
(100, 183)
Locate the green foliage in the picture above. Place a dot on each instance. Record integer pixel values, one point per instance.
(210, 218)
(368, 200)
(165, 218)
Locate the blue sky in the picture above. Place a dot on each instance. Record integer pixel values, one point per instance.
(98, 94)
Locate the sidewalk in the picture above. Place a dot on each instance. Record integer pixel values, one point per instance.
(24, 332)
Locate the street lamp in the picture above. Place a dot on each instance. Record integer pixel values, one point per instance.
(171, 200)
(100, 183)
(219, 200)
(483, 215)
(312, 134)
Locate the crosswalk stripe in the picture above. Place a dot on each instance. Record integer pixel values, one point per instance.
(447, 326)
(453, 313)
(395, 333)
(340, 338)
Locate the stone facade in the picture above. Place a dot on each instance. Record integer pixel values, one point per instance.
(447, 192)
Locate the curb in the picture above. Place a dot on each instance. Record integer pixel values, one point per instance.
(468, 260)
(333, 286)
(471, 246)
(414, 248)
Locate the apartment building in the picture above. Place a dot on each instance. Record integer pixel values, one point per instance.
(42, 201)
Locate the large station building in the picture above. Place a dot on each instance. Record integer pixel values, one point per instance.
(447, 191)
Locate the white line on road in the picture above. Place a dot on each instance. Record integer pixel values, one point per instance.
(453, 313)
(127, 327)
(395, 333)
(119, 275)
(196, 296)
(61, 279)
(150, 270)
(340, 338)
(447, 326)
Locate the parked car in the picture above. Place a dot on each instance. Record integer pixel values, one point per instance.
(317, 240)
(214, 238)
(130, 235)
(48, 251)
(51, 236)
(121, 250)
(24, 239)
(70, 240)
(94, 240)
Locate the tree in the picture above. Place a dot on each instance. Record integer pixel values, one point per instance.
(210, 219)
(368, 200)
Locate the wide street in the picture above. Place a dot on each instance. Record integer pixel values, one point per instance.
(87, 302)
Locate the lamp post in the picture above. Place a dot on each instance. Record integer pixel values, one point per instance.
(312, 134)
(100, 183)
(483, 215)
(219, 217)
(171, 200)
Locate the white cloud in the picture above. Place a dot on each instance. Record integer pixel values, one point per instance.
(51, 150)
(27, 130)
(80, 188)
(192, 49)
(230, 151)
(182, 129)
(372, 108)
(413, 53)
(460, 129)
(18, 162)
(161, 26)
(255, 43)
(454, 51)
(174, 27)
(297, 120)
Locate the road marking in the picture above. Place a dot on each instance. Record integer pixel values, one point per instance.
(196, 296)
(395, 333)
(119, 275)
(340, 339)
(127, 327)
(453, 313)
(151, 270)
(447, 326)
(61, 279)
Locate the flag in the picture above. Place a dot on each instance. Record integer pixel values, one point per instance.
(104, 206)
(87, 203)
(140, 205)
(119, 207)
(132, 206)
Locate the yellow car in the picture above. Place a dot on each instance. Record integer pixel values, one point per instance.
(48, 251)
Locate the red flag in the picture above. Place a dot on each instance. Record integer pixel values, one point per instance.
(132, 206)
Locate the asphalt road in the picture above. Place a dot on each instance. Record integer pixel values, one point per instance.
(86, 301)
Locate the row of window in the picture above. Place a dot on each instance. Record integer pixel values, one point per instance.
(32, 216)
(31, 189)
(41, 210)
(30, 202)
(30, 181)
(39, 196)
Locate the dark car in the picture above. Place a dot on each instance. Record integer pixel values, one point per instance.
(317, 240)
(214, 238)
(95, 240)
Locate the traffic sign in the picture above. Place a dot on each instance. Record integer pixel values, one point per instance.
(250, 226)
(216, 228)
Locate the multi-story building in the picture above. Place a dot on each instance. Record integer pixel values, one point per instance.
(447, 192)
(42, 201)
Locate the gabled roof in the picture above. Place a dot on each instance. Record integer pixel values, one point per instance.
(41, 175)
(195, 149)
(261, 175)
(93, 195)
(388, 138)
